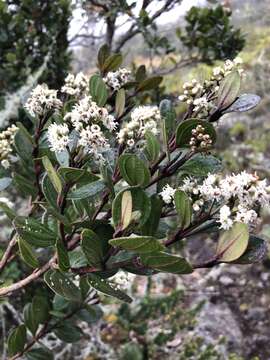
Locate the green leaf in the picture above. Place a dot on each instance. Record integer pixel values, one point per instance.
(140, 73)
(140, 203)
(201, 165)
(16, 340)
(183, 208)
(106, 288)
(120, 102)
(92, 248)
(87, 191)
(49, 192)
(137, 244)
(150, 83)
(23, 146)
(27, 254)
(133, 170)
(184, 131)
(73, 175)
(232, 243)
(152, 148)
(126, 210)
(112, 62)
(228, 90)
(55, 179)
(168, 115)
(103, 54)
(8, 211)
(166, 263)
(41, 308)
(40, 353)
(245, 102)
(62, 285)
(4, 183)
(29, 318)
(25, 186)
(34, 232)
(255, 252)
(25, 133)
(62, 256)
(68, 332)
(98, 90)
(151, 225)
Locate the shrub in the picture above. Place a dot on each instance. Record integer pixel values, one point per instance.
(113, 185)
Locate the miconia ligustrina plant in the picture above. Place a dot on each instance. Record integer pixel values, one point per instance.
(112, 185)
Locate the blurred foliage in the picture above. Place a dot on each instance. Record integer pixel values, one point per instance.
(30, 30)
(210, 32)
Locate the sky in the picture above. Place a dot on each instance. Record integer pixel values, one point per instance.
(171, 16)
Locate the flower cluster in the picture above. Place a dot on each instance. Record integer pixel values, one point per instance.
(117, 79)
(199, 139)
(200, 96)
(237, 198)
(6, 142)
(122, 280)
(143, 118)
(75, 85)
(90, 123)
(58, 137)
(42, 100)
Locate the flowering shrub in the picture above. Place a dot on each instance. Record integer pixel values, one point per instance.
(113, 185)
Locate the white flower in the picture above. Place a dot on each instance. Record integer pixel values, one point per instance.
(167, 194)
(86, 112)
(122, 280)
(42, 100)
(246, 216)
(75, 85)
(116, 79)
(6, 145)
(143, 118)
(93, 141)
(58, 137)
(224, 218)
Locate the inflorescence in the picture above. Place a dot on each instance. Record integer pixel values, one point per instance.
(6, 145)
(236, 198)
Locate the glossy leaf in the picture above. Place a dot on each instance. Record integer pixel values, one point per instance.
(68, 332)
(112, 62)
(150, 83)
(151, 225)
(138, 244)
(152, 148)
(62, 256)
(98, 90)
(40, 353)
(62, 285)
(92, 248)
(232, 243)
(87, 191)
(29, 318)
(166, 263)
(184, 131)
(201, 165)
(133, 170)
(103, 54)
(106, 288)
(54, 177)
(183, 208)
(228, 90)
(27, 254)
(17, 340)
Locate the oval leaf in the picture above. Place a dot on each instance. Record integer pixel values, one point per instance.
(183, 208)
(184, 131)
(55, 179)
(120, 102)
(133, 170)
(126, 209)
(167, 263)
(232, 243)
(17, 340)
(92, 248)
(87, 191)
(255, 252)
(149, 84)
(27, 254)
(98, 90)
(138, 244)
(245, 102)
(228, 90)
(106, 288)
